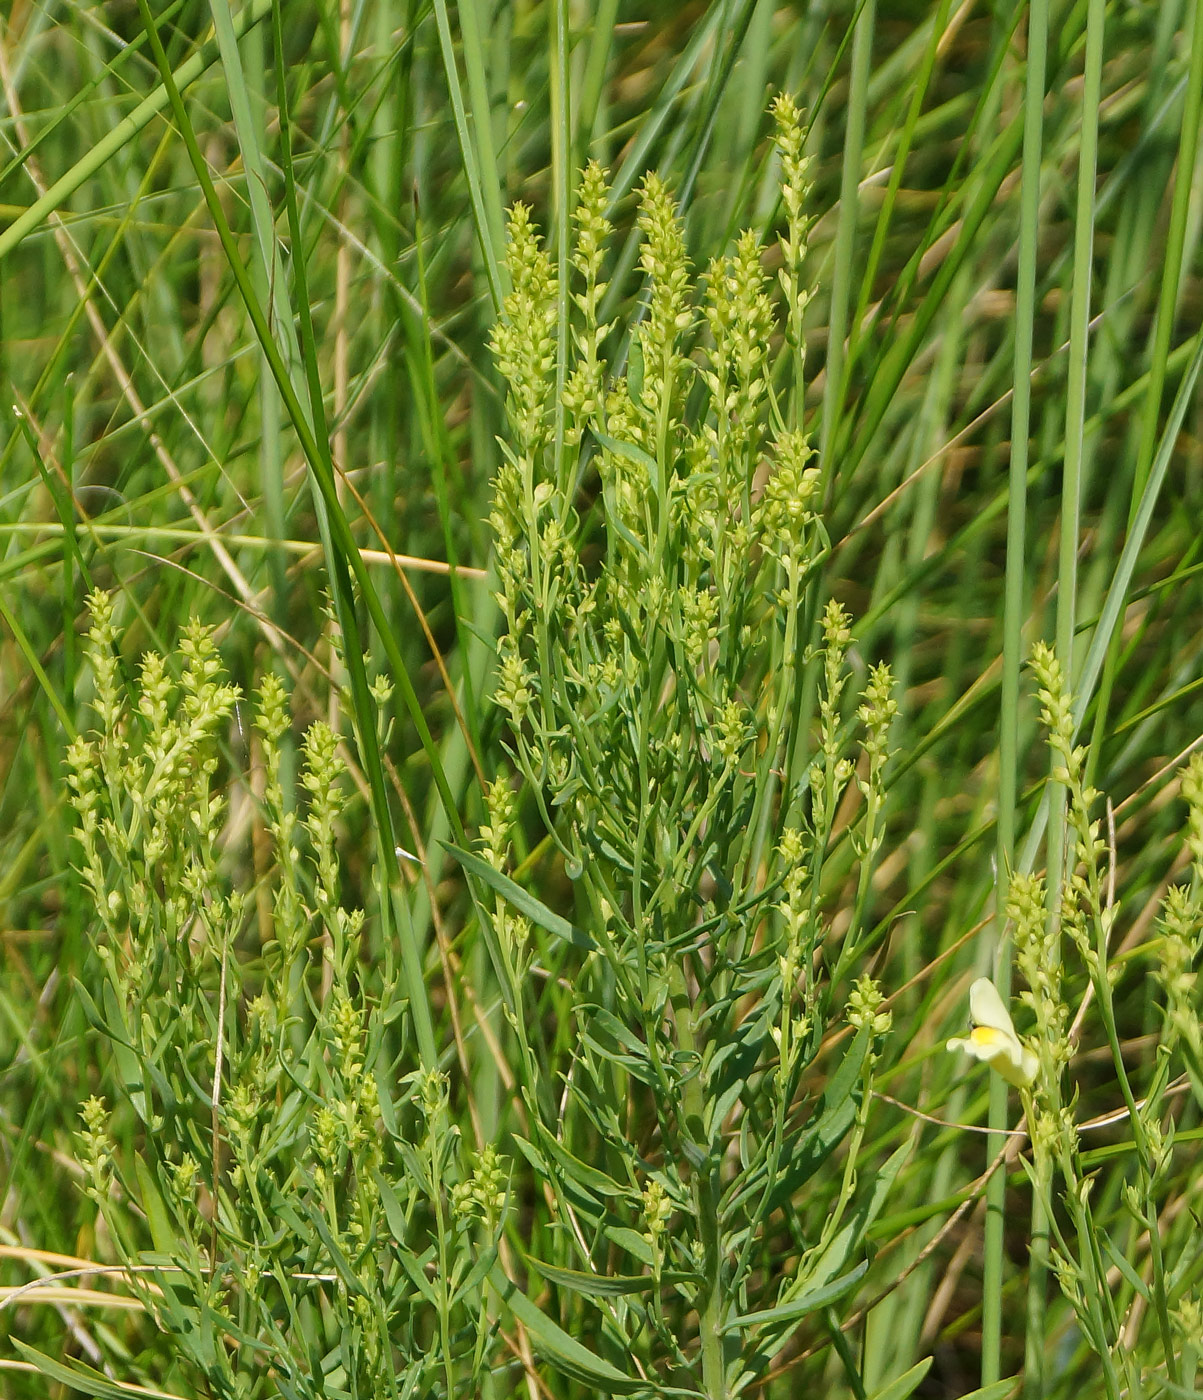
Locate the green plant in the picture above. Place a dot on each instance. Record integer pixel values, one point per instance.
(196, 333)
(1150, 1334)
(657, 548)
(315, 1225)
(656, 718)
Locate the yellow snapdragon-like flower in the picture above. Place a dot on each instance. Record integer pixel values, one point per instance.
(993, 1037)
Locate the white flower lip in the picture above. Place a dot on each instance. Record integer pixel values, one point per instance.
(993, 1037)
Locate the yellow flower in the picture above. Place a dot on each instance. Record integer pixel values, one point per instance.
(993, 1037)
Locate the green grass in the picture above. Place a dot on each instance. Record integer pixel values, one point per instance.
(251, 259)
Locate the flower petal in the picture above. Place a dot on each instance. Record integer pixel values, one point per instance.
(993, 1037)
(986, 1007)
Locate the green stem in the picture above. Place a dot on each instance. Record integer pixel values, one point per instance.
(444, 1301)
(845, 243)
(1033, 1350)
(1008, 744)
(705, 1188)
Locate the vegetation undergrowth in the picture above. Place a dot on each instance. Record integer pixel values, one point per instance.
(477, 915)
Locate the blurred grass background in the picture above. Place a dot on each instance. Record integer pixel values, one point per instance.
(146, 448)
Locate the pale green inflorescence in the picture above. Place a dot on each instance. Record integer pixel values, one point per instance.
(658, 547)
(248, 1035)
(1046, 941)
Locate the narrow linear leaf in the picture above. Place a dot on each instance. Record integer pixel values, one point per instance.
(80, 1378)
(558, 1347)
(806, 1303)
(907, 1384)
(576, 1170)
(633, 454)
(1124, 1266)
(1117, 591)
(522, 900)
(121, 134)
(632, 1241)
(161, 1230)
(1000, 1390)
(867, 1210)
(1181, 1392)
(599, 1285)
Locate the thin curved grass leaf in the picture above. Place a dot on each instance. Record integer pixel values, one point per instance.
(121, 134)
(79, 1378)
